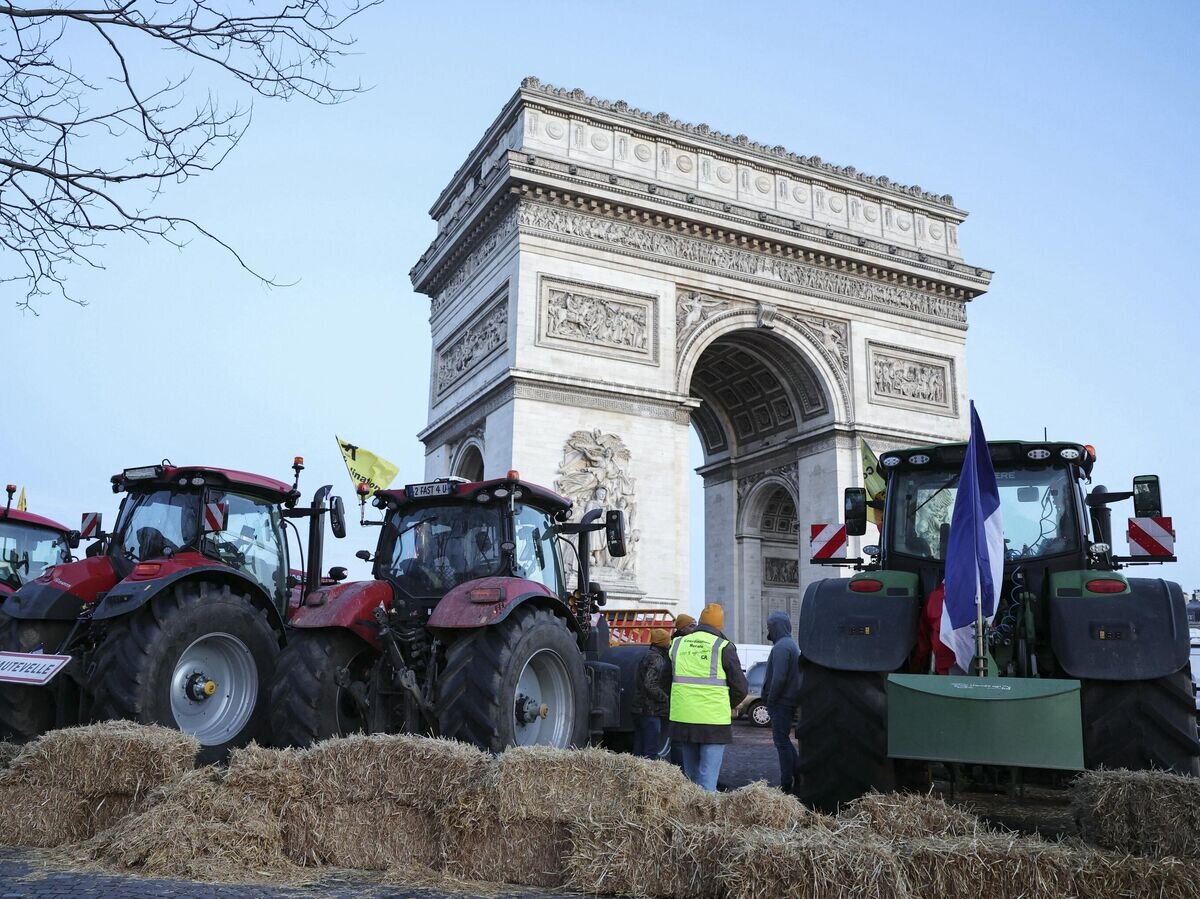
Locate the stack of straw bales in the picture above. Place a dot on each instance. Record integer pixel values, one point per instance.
(1149, 813)
(68, 784)
(8, 752)
(909, 815)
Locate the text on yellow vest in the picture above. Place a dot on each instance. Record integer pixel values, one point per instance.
(699, 692)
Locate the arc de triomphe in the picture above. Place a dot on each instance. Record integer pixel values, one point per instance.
(603, 279)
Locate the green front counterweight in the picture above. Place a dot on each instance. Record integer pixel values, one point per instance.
(1021, 722)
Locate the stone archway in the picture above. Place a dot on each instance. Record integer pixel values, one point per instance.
(603, 280)
(468, 463)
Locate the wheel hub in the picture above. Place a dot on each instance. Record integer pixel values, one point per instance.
(214, 688)
(529, 710)
(198, 687)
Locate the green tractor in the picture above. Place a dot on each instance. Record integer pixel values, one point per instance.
(1083, 667)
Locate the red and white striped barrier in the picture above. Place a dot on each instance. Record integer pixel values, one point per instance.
(828, 541)
(1151, 538)
(216, 517)
(89, 526)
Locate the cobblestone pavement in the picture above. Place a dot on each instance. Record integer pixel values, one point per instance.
(26, 875)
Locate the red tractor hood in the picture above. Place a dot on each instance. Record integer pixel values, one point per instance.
(351, 605)
(84, 579)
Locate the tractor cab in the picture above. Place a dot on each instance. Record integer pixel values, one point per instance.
(29, 544)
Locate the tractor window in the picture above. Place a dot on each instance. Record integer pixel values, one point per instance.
(1037, 505)
(151, 524)
(26, 551)
(436, 548)
(534, 555)
(252, 541)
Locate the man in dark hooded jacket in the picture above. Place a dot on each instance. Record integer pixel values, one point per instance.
(781, 693)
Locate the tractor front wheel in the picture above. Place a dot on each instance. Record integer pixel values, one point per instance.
(842, 733)
(26, 712)
(311, 696)
(197, 658)
(1141, 724)
(520, 682)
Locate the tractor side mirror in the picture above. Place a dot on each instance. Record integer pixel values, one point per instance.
(597, 593)
(614, 532)
(856, 511)
(337, 517)
(337, 574)
(73, 539)
(215, 518)
(1147, 496)
(364, 554)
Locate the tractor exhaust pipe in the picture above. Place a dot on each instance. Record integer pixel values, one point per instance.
(316, 540)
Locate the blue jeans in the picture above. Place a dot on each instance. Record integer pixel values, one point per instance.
(647, 736)
(702, 763)
(781, 735)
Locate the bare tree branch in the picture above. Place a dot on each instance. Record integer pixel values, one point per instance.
(84, 154)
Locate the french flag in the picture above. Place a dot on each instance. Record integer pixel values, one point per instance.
(974, 552)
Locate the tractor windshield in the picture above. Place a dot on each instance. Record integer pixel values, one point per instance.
(151, 524)
(436, 548)
(1037, 505)
(26, 551)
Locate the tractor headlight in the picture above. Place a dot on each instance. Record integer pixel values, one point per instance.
(918, 459)
(1038, 455)
(1069, 453)
(890, 461)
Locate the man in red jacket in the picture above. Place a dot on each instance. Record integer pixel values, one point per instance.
(929, 642)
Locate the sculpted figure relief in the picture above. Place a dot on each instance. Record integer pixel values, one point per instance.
(909, 380)
(475, 344)
(571, 315)
(781, 572)
(594, 475)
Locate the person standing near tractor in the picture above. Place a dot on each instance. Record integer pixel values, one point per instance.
(781, 693)
(707, 684)
(652, 696)
(684, 625)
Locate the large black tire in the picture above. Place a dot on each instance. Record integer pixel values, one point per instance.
(842, 732)
(307, 704)
(1141, 724)
(139, 672)
(477, 690)
(26, 712)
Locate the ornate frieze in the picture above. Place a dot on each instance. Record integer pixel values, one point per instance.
(732, 261)
(482, 253)
(603, 321)
(789, 474)
(831, 334)
(594, 474)
(477, 341)
(779, 572)
(910, 380)
(692, 308)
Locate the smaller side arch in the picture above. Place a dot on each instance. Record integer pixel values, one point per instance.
(468, 460)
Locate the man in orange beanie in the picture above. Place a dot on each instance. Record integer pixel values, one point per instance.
(707, 684)
(684, 624)
(652, 698)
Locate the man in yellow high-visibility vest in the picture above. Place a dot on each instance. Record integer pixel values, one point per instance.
(707, 683)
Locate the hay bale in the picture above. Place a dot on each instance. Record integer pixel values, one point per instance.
(50, 817)
(196, 828)
(8, 752)
(425, 773)
(909, 816)
(376, 835)
(1111, 875)
(113, 757)
(998, 866)
(1148, 813)
(568, 785)
(666, 859)
(530, 852)
(812, 864)
(759, 805)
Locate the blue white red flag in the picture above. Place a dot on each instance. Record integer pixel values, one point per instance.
(975, 550)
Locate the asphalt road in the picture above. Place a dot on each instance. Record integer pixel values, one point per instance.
(29, 875)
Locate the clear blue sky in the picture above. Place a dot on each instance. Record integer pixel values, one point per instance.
(1069, 132)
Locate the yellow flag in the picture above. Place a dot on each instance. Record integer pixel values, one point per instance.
(367, 468)
(21, 501)
(873, 481)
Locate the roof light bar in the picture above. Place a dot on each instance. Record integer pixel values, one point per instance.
(1069, 453)
(144, 473)
(1038, 455)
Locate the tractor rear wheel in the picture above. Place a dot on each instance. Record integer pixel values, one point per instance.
(310, 697)
(517, 683)
(1141, 724)
(197, 658)
(26, 712)
(842, 732)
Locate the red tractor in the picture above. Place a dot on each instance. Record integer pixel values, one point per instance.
(175, 618)
(469, 630)
(28, 545)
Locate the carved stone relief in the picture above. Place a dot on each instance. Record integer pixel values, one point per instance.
(603, 321)
(477, 341)
(779, 572)
(910, 380)
(735, 262)
(479, 256)
(594, 474)
(831, 334)
(693, 308)
(789, 474)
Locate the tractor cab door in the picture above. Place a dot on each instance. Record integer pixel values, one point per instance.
(252, 542)
(535, 552)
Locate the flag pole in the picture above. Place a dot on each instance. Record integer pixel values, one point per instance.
(980, 658)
